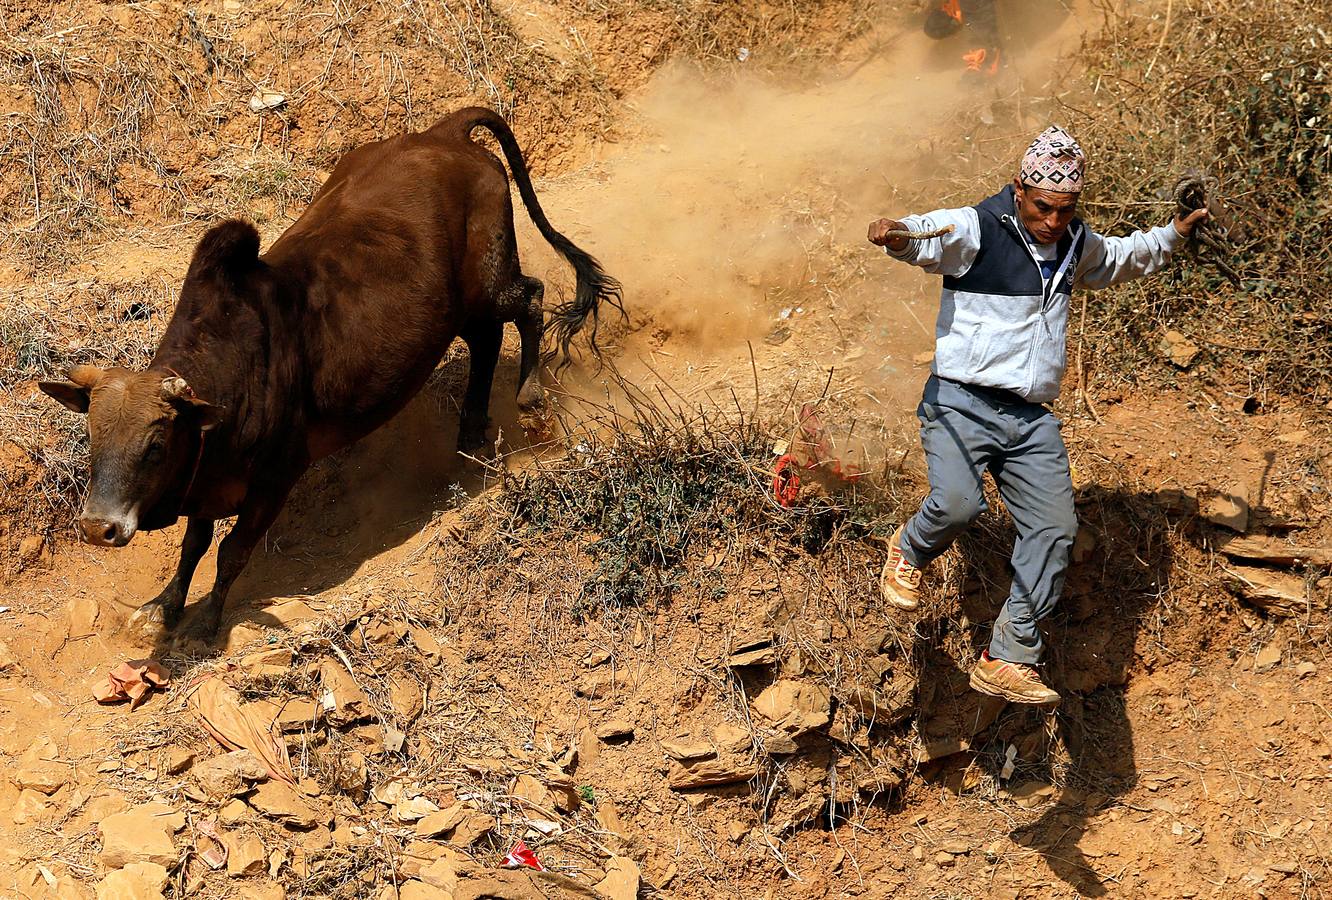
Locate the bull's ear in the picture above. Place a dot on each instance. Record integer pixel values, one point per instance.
(228, 250)
(77, 392)
(70, 396)
(177, 392)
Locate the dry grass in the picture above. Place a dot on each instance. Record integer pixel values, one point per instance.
(43, 332)
(652, 483)
(267, 187)
(1241, 91)
(788, 36)
(95, 133)
(92, 106)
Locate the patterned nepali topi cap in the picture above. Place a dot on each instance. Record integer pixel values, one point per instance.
(1054, 162)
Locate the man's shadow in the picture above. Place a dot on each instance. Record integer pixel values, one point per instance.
(1084, 748)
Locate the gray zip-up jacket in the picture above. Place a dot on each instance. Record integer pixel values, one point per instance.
(999, 325)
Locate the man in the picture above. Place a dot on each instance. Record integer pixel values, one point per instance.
(1009, 266)
(978, 20)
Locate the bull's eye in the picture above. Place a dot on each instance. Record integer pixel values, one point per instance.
(153, 454)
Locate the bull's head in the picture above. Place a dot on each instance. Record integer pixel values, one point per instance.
(145, 431)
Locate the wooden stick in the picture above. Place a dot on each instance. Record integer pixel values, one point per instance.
(1083, 395)
(919, 235)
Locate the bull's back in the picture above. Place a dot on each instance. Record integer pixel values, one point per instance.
(382, 257)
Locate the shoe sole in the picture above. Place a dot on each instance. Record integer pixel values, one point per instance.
(981, 686)
(899, 601)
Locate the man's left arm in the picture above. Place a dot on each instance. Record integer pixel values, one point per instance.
(1113, 260)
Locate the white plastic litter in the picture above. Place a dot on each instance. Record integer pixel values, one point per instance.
(261, 100)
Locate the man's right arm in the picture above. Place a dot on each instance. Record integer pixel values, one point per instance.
(952, 254)
(878, 235)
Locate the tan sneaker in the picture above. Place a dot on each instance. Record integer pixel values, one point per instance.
(1014, 682)
(900, 581)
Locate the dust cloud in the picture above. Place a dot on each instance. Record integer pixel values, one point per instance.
(742, 198)
(746, 195)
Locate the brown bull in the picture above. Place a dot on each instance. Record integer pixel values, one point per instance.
(271, 362)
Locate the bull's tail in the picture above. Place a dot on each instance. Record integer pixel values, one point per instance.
(593, 285)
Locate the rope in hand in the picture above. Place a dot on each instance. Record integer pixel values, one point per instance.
(918, 235)
(1191, 195)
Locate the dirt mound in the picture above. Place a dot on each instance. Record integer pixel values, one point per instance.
(263, 95)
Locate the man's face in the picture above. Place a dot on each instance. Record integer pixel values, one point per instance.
(1045, 214)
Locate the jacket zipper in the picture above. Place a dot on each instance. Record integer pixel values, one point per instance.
(1047, 289)
(1032, 354)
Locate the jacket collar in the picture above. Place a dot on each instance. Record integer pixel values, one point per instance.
(1001, 204)
(1003, 207)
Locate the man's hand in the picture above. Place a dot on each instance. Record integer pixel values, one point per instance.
(879, 229)
(1184, 224)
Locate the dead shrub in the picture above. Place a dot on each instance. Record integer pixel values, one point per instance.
(1255, 113)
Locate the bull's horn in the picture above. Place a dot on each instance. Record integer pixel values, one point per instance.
(176, 388)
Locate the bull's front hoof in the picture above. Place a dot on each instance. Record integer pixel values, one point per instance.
(200, 627)
(532, 398)
(472, 443)
(152, 622)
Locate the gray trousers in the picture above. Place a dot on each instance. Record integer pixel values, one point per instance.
(966, 430)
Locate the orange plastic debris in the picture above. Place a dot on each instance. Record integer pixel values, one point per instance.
(237, 725)
(975, 60)
(815, 443)
(132, 681)
(819, 449)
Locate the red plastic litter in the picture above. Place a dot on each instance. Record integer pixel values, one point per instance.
(815, 443)
(521, 856)
(786, 479)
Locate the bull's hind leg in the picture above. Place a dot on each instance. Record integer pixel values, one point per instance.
(483, 343)
(530, 320)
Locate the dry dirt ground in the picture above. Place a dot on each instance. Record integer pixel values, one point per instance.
(411, 669)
